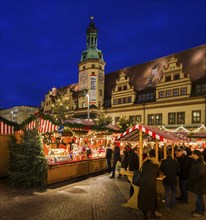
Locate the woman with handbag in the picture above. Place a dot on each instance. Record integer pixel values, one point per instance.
(147, 198)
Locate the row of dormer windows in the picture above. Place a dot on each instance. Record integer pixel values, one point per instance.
(123, 100)
(170, 78)
(201, 88)
(173, 92)
(146, 96)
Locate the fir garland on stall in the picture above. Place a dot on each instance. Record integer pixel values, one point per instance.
(27, 164)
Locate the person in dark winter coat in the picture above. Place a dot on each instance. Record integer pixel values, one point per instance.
(197, 183)
(125, 158)
(147, 198)
(133, 159)
(133, 164)
(170, 168)
(185, 163)
(109, 158)
(116, 157)
(204, 154)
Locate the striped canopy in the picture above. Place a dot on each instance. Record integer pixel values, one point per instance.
(132, 134)
(6, 129)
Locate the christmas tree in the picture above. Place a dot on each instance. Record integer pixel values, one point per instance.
(27, 164)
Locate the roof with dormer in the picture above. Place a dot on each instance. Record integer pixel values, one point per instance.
(193, 62)
(146, 75)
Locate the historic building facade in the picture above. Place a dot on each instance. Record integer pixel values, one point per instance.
(170, 90)
(18, 114)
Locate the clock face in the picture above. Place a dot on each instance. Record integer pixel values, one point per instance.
(101, 77)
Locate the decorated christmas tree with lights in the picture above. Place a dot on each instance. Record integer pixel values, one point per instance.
(27, 164)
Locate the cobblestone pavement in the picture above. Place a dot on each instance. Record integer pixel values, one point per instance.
(92, 198)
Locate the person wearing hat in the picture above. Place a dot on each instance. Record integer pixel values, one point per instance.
(185, 163)
(197, 183)
(147, 197)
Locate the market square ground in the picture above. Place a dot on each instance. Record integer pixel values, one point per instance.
(92, 198)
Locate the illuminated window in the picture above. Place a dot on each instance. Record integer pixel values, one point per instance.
(161, 94)
(147, 96)
(158, 119)
(139, 118)
(198, 88)
(172, 118)
(151, 119)
(168, 93)
(180, 117)
(203, 87)
(114, 101)
(175, 92)
(184, 91)
(132, 119)
(196, 116)
(83, 104)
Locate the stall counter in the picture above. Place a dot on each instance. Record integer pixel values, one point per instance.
(71, 170)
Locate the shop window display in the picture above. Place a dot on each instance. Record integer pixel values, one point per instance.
(62, 150)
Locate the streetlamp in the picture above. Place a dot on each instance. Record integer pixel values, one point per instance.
(88, 110)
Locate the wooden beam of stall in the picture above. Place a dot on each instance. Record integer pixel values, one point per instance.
(173, 150)
(165, 150)
(156, 150)
(140, 148)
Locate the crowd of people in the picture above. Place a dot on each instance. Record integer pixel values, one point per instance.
(185, 170)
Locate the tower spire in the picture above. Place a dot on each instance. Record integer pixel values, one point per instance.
(91, 52)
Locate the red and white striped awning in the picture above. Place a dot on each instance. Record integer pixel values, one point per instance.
(132, 134)
(47, 126)
(44, 126)
(6, 129)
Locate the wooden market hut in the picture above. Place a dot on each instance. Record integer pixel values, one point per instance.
(139, 132)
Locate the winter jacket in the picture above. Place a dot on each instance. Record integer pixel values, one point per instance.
(197, 181)
(170, 169)
(147, 197)
(185, 163)
(108, 153)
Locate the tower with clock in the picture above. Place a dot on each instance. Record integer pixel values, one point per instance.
(91, 70)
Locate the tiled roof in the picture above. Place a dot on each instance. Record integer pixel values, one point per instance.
(193, 60)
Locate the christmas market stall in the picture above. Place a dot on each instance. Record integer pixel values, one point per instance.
(76, 148)
(198, 137)
(6, 129)
(137, 134)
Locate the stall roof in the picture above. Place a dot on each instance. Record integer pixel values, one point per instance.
(80, 121)
(132, 134)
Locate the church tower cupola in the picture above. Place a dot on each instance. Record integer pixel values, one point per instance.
(91, 70)
(92, 52)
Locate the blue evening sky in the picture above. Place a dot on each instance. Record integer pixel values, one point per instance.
(41, 41)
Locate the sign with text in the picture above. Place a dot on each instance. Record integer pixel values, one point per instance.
(93, 81)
